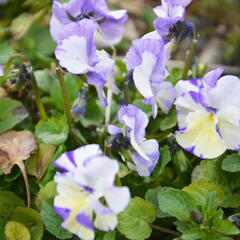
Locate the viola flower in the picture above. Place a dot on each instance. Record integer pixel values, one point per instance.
(169, 13)
(147, 59)
(145, 153)
(77, 54)
(110, 24)
(194, 85)
(86, 186)
(76, 51)
(208, 115)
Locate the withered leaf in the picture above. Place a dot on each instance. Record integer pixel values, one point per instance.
(15, 146)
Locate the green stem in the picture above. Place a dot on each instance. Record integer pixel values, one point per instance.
(190, 57)
(166, 230)
(25, 178)
(40, 106)
(67, 107)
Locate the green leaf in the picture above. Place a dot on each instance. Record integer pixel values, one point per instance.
(72, 90)
(175, 75)
(226, 227)
(165, 158)
(134, 222)
(48, 191)
(8, 202)
(232, 200)
(93, 115)
(107, 236)
(38, 162)
(169, 121)
(180, 160)
(231, 163)
(151, 196)
(31, 219)
(6, 51)
(51, 170)
(52, 221)
(193, 234)
(52, 131)
(16, 231)
(200, 191)
(11, 113)
(21, 24)
(145, 108)
(176, 203)
(45, 79)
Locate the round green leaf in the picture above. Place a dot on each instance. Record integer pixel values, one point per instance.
(31, 219)
(16, 231)
(134, 222)
(176, 203)
(231, 163)
(200, 191)
(8, 202)
(52, 131)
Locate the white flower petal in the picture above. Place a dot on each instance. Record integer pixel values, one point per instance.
(117, 198)
(72, 54)
(201, 136)
(106, 223)
(142, 74)
(229, 127)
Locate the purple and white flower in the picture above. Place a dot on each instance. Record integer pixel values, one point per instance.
(145, 153)
(110, 24)
(169, 13)
(86, 186)
(147, 58)
(208, 114)
(77, 53)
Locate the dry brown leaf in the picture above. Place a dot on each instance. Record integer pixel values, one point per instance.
(15, 146)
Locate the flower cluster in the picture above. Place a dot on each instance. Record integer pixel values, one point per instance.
(86, 186)
(110, 24)
(207, 109)
(208, 114)
(145, 153)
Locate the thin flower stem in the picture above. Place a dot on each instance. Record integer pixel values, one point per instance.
(25, 178)
(108, 108)
(166, 230)
(190, 58)
(110, 93)
(67, 107)
(40, 106)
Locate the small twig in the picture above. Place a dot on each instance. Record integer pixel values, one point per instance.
(166, 230)
(190, 57)
(25, 178)
(67, 108)
(40, 106)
